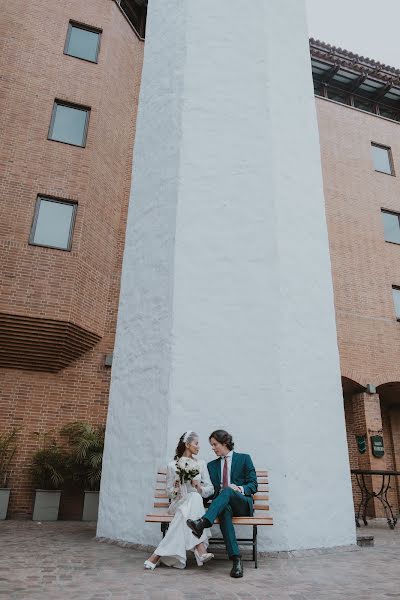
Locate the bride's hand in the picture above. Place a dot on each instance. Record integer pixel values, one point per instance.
(196, 484)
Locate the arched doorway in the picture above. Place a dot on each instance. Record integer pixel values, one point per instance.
(368, 413)
(351, 389)
(389, 394)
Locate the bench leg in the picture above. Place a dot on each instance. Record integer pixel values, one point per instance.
(164, 528)
(255, 551)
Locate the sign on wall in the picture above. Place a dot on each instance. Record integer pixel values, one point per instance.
(361, 443)
(377, 446)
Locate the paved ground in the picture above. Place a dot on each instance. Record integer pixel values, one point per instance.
(59, 561)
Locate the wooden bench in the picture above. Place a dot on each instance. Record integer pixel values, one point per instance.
(260, 516)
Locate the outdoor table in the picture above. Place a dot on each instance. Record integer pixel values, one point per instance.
(381, 495)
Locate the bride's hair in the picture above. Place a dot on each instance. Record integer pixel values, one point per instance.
(185, 438)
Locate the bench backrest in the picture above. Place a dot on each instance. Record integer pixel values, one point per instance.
(260, 499)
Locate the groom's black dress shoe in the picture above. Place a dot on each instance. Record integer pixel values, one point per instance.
(197, 526)
(237, 568)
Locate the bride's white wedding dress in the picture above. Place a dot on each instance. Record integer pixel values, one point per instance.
(187, 503)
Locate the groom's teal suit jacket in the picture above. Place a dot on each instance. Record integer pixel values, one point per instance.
(243, 473)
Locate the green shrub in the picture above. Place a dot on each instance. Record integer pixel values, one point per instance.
(86, 443)
(8, 448)
(49, 465)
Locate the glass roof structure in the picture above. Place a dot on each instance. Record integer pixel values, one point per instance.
(356, 81)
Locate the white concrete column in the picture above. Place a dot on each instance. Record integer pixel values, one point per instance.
(226, 315)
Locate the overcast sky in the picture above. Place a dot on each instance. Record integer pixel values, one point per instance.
(366, 27)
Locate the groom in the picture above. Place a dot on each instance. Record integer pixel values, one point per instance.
(235, 481)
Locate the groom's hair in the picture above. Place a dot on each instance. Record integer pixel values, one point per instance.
(223, 437)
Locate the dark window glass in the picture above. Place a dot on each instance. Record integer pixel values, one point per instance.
(318, 88)
(389, 113)
(53, 223)
(69, 124)
(364, 105)
(136, 11)
(382, 159)
(82, 42)
(338, 96)
(391, 226)
(396, 300)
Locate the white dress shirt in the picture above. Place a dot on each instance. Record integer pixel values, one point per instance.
(228, 459)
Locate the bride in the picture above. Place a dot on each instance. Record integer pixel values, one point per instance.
(186, 503)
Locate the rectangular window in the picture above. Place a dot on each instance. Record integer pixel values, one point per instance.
(391, 224)
(53, 223)
(82, 42)
(382, 157)
(396, 300)
(69, 123)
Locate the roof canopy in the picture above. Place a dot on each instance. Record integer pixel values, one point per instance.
(356, 75)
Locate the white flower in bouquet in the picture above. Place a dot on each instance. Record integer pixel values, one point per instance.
(187, 469)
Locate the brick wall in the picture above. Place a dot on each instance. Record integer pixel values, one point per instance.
(364, 266)
(81, 286)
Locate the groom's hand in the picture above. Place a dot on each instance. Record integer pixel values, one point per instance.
(234, 487)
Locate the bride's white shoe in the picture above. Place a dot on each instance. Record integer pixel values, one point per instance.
(202, 558)
(150, 565)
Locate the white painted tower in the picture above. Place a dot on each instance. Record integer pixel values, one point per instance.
(226, 314)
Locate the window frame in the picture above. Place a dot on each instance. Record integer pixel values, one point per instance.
(395, 287)
(58, 102)
(396, 214)
(56, 200)
(85, 27)
(391, 163)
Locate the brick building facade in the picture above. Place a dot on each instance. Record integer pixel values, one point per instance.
(58, 305)
(58, 308)
(354, 134)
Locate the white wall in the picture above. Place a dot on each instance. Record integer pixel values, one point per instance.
(226, 316)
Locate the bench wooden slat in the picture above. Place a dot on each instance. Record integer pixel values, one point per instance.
(165, 518)
(256, 497)
(164, 504)
(161, 486)
(161, 480)
(260, 473)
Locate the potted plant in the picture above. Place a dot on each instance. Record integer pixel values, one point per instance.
(86, 443)
(48, 471)
(8, 448)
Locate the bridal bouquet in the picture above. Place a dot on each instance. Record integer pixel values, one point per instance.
(187, 469)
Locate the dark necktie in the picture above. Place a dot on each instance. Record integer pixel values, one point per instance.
(225, 473)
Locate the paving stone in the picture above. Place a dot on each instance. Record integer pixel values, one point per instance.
(63, 561)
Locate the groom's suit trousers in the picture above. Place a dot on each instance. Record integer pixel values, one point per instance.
(226, 505)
